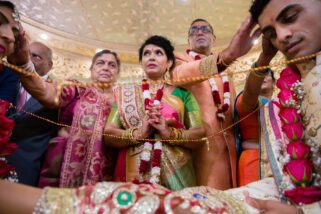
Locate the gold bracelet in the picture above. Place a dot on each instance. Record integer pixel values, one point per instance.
(131, 133)
(258, 73)
(222, 61)
(128, 135)
(177, 135)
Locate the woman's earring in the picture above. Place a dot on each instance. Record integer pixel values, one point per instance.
(167, 75)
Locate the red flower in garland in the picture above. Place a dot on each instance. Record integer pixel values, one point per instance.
(289, 115)
(298, 150)
(300, 172)
(294, 131)
(306, 195)
(286, 97)
(287, 77)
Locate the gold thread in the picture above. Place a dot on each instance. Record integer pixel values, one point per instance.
(185, 80)
(300, 59)
(126, 136)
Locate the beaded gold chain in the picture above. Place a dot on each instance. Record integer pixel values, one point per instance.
(125, 137)
(158, 82)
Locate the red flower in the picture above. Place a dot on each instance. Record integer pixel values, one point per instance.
(145, 85)
(289, 115)
(288, 76)
(147, 102)
(197, 57)
(4, 139)
(298, 150)
(156, 157)
(144, 166)
(226, 87)
(305, 195)
(293, 131)
(159, 94)
(285, 96)
(300, 172)
(216, 97)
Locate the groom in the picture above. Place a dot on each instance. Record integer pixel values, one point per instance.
(294, 28)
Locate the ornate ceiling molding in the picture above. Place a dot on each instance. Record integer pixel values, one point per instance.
(74, 44)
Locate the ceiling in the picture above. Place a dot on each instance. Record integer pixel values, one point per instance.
(85, 25)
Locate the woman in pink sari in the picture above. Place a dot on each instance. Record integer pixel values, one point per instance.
(77, 155)
(164, 112)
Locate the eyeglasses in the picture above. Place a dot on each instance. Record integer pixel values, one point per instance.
(204, 29)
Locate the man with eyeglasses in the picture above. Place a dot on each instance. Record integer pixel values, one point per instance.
(214, 162)
(201, 37)
(31, 134)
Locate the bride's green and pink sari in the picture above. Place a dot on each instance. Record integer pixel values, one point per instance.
(177, 170)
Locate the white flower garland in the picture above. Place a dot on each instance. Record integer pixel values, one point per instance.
(157, 148)
(221, 109)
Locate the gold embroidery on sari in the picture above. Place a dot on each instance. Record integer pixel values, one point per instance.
(57, 200)
(194, 119)
(311, 106)
(264, 163)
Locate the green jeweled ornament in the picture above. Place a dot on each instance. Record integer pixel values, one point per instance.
(124, 198)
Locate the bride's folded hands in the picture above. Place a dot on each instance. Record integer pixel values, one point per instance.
(157, 121)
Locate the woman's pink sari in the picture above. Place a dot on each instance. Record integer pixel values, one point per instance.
(75, 157)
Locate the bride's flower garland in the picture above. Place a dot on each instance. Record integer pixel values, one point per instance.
(157, 148)
(7, 172)
(295, 153)
(221, 109)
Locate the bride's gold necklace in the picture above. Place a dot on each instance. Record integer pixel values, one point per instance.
(153, 88)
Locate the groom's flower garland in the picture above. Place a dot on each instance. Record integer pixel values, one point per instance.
(221, 109)
(295, 153)
(157, 148)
